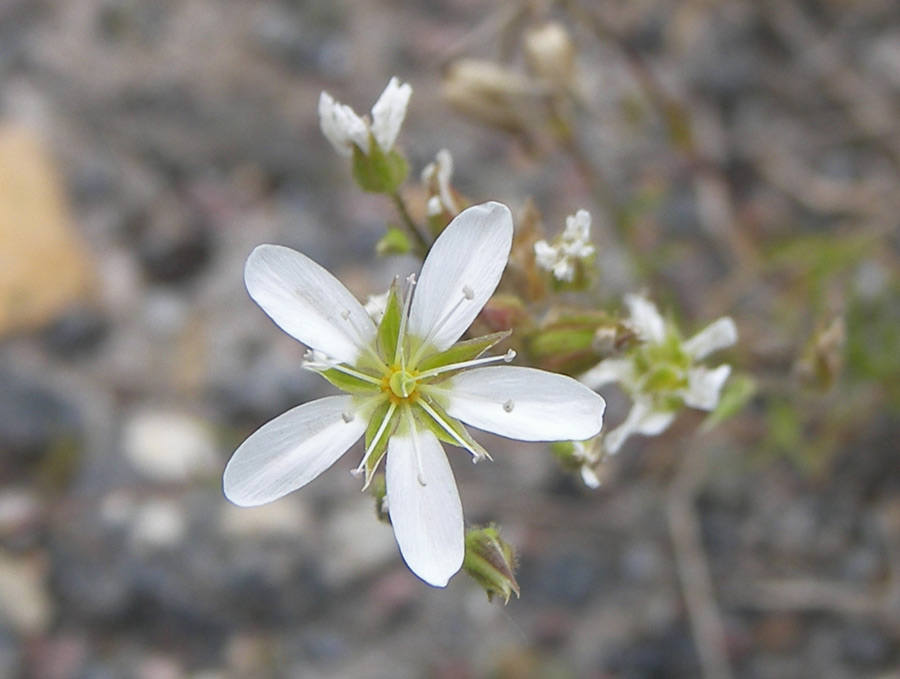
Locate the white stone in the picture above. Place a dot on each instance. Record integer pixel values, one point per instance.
(168, 445)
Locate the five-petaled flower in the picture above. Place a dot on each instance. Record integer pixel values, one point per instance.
(661, 374)
(408, 386)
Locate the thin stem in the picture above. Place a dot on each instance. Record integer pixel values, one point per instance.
(420, 244)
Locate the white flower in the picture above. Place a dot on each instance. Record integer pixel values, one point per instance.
(436, 176)
(345, 129)
(661, 374)
(573, 245)
(408, 386)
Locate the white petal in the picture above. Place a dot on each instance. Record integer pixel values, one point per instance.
(646, 319)
(610, 370)
(717, 335)
(291, 450)
(704, 386)
(524, 403)
(307, 302)
(388, 113)
(642, 419)
(341, 126)
(460, 274)
(424, 506)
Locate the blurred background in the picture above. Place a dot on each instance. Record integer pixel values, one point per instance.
(739, 157)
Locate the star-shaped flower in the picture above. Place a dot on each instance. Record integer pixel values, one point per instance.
(662, 373)
(409, 383)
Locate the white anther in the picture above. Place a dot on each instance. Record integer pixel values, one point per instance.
(509, 405)
(468, 293)
(345, 314)
(347, 416)
(510, 355)
(357, 473)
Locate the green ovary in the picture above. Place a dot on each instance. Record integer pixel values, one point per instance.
(402, 384)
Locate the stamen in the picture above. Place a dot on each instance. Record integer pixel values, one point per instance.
(347, 416)
(341, 367)
(506, 358)
(477, 455)
(415, 441)
(509, 405)
(384, 423)
(399, 354)
(468, 294)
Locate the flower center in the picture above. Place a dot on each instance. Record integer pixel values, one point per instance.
(402, 384)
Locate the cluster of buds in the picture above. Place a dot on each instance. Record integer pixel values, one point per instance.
(661, 372)
(571, 253)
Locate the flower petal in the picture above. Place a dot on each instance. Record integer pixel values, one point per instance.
(460, 274)
(291, 450)
(646, 319)
(424, 506)
(704, 386)
(523, 403)
(341, 126)
(608, 371)
(642, 419)
(388, 113)
(717, 335)
(307, 302)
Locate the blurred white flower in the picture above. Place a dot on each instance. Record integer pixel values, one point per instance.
(409, 386)
(572, 245)
(345, 129)
(436, 177)
(661, 374)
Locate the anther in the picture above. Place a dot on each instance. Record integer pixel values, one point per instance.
(347, 416)
(509, 405)
(468, 293)
(510, 355)
(345, 314)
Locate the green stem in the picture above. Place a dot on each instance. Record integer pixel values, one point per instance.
(420, 244)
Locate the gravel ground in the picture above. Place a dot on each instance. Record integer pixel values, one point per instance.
(753, 147)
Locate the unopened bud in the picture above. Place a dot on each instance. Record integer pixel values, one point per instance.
(492, 94)
(551, 54)
(491, 562)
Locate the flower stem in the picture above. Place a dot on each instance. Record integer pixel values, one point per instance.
(420, 244)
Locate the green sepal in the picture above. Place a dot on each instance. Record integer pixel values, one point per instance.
(348, 383)
(467, 350)
(377, 171)
(381, 445)
(393, 242)
(389, 328)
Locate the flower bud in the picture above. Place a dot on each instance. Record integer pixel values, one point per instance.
(551, 54)
(491, 562)
(493, 94)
